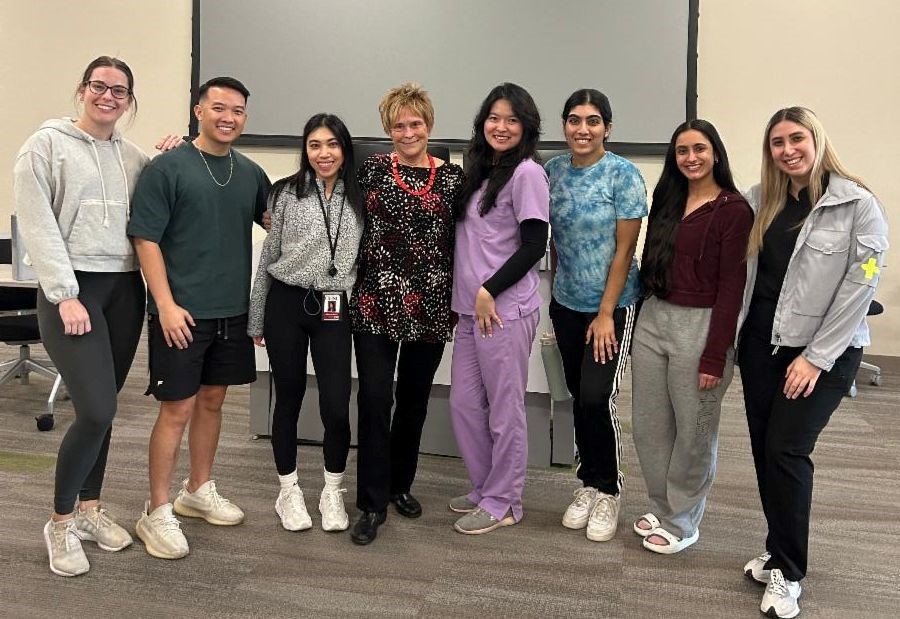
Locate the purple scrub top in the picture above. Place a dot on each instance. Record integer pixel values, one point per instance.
(484, 244)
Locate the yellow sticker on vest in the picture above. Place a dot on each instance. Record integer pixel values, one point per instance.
(871, 268)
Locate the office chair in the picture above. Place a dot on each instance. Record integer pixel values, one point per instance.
(875, 308)
(19, 327)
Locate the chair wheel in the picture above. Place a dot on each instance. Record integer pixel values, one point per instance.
(876, 380)
(44, 422)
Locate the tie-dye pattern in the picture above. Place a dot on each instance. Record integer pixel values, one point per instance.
(584, 206)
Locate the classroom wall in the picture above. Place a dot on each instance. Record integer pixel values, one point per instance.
(838, 58)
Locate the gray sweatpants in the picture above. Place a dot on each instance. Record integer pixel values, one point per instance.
(675, 425)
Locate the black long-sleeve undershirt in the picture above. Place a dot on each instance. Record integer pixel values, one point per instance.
(534, 234)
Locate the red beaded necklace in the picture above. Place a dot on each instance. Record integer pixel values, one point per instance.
(395, 169)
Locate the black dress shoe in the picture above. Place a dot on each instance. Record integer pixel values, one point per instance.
(366, 528)
(406, 505)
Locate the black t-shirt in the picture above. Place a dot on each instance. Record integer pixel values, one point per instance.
(202, 228)
(778, 245)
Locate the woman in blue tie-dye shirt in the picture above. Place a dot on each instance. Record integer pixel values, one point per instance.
(597, 201)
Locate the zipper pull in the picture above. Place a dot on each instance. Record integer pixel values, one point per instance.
(777, 345)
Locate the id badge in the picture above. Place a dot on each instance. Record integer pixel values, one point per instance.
(332, 306)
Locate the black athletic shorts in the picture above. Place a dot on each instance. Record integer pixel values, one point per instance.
(221, 354)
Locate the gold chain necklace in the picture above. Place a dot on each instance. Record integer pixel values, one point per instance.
(211, 175)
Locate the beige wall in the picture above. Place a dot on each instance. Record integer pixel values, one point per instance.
(837, 57)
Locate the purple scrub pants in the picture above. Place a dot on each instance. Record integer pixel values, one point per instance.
(487, 409)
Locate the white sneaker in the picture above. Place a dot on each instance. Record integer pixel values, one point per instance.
(291, 508)
(96, 525)
(331, 506)
(755, 568)
(67, 557)
(161, 533)
(781, 597)
(604, 518)
(579, 510)
(207, 503)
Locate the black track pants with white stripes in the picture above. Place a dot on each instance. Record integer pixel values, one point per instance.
(595, 387)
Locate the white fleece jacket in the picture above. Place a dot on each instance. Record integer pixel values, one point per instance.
(73, 195)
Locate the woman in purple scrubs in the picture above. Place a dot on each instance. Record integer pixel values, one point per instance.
(501, 234)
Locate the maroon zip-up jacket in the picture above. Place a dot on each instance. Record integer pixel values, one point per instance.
(709, 270)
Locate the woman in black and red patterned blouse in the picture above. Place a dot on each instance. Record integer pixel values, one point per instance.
(400, 306)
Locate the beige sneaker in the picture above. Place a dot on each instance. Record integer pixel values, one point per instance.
(64, 549)
(579, 510)
(604, 518)
(207, 503)
(161, 533)
(96, 525)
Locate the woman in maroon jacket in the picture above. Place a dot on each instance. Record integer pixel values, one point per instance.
(693, 271)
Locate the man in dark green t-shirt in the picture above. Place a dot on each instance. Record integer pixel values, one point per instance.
(192, 217)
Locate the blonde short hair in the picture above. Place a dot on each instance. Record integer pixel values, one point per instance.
(408, 95)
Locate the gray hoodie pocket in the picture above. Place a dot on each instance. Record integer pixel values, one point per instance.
(93, 237)
(822, 267)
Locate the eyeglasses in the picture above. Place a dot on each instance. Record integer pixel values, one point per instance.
(415, 125)
(98, 88)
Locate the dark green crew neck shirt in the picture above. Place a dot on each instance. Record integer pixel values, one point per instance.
(204, 230)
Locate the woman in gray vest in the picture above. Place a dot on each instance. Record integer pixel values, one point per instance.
(814, 256)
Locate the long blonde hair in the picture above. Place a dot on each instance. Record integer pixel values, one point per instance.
(774, 182)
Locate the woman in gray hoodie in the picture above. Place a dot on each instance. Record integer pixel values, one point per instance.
(73, 183)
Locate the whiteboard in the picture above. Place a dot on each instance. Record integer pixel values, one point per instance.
(300, 57)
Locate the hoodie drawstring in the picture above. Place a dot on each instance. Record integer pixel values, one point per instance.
(103, 183)
(125, 177)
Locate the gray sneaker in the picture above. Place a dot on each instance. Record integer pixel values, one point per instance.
(782, 597)
(755, 569)
(480, 521)
(462, 504)
(95, 525)
(64, 548)
(161, 533)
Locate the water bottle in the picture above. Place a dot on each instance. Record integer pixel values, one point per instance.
(553, 366)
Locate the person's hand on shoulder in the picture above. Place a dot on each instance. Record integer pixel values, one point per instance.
(169, 142)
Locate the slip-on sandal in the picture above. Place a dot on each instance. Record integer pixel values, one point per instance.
(652, 520)
(673, 544)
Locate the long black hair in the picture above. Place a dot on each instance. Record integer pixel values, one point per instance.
(482, 164)
(302, 181)
(667, 209)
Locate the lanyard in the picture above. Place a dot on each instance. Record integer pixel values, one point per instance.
(332, 245)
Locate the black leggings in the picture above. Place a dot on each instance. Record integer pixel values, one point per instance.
(293, 325)
(783, 434)
(94, 367)
(389, 451)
